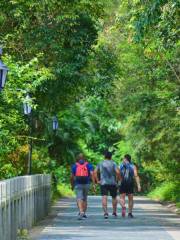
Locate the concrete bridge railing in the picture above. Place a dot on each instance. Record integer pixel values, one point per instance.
(23, 201)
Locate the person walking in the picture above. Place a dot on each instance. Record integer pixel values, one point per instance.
(128, 172)
(81, 175)
(107, 174)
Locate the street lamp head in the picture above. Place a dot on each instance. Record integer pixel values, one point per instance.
(3, 72)
(55, 123)
(26, 105)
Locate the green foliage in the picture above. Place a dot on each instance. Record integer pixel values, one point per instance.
(62, 31)
(168, 191)
(147, 92)
(13, 125)
(47, 46)
(89, 127)
(8, 171)
(109, 70)
(64, 190)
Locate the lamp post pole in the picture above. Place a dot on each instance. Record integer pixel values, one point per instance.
(55, 126)
(30, 144)
(3, 72)
(28, 113)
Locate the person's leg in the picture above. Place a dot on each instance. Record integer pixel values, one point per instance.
(79, 197)
(104, 193)
(113, 193)
(123, 200)
(85, 205)
(130, 202)
(80, 204)
(85, 196)
(104, 203)
(123, 203)
(77, 205)
(114, 205)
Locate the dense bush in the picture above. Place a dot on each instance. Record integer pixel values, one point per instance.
(108, 70)
(167, 191)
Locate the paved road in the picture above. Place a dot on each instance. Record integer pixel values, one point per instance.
(152, 222)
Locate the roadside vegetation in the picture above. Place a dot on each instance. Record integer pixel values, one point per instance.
(109, 71)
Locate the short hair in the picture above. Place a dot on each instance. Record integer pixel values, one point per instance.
(128, 157)
(108, 155)
(80, 156)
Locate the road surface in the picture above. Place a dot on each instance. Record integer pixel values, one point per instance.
(152, 222)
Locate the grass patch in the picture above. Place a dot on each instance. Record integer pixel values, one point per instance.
(61, 190)
(178, 204)
(64, 190)
(167, 191)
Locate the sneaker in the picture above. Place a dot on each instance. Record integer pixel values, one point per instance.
(80, 216)
(106, 215)
(84, 216)
(123, 211)
(114, 214)
(130, 215)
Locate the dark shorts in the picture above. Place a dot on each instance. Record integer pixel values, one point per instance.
(128, 189)
(109, 189)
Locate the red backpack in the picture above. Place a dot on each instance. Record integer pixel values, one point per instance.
(82, 170)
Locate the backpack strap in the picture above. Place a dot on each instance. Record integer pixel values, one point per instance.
(121, 166)
(77, 164)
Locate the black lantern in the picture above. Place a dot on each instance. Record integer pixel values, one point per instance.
(27, 106)
(3, 72)
(55, 123)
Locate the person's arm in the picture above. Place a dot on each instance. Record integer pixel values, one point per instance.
(137, 178)
(93, 180)
(93, 177)
(96, 178)
(91, 173)
(72, 178)
(118, 174)
(72, 181)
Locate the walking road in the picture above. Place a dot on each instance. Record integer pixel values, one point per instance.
(152, 222)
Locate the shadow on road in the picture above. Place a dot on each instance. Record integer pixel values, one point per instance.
(152, 221)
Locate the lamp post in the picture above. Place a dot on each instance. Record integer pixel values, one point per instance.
(27, 112)
(55, 124)
(3, 72)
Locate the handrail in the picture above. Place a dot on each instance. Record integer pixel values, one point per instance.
(23, 201)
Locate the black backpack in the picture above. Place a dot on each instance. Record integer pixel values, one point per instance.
(127, 174)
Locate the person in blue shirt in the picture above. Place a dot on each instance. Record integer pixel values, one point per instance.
(81, 176)
(128, 173)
